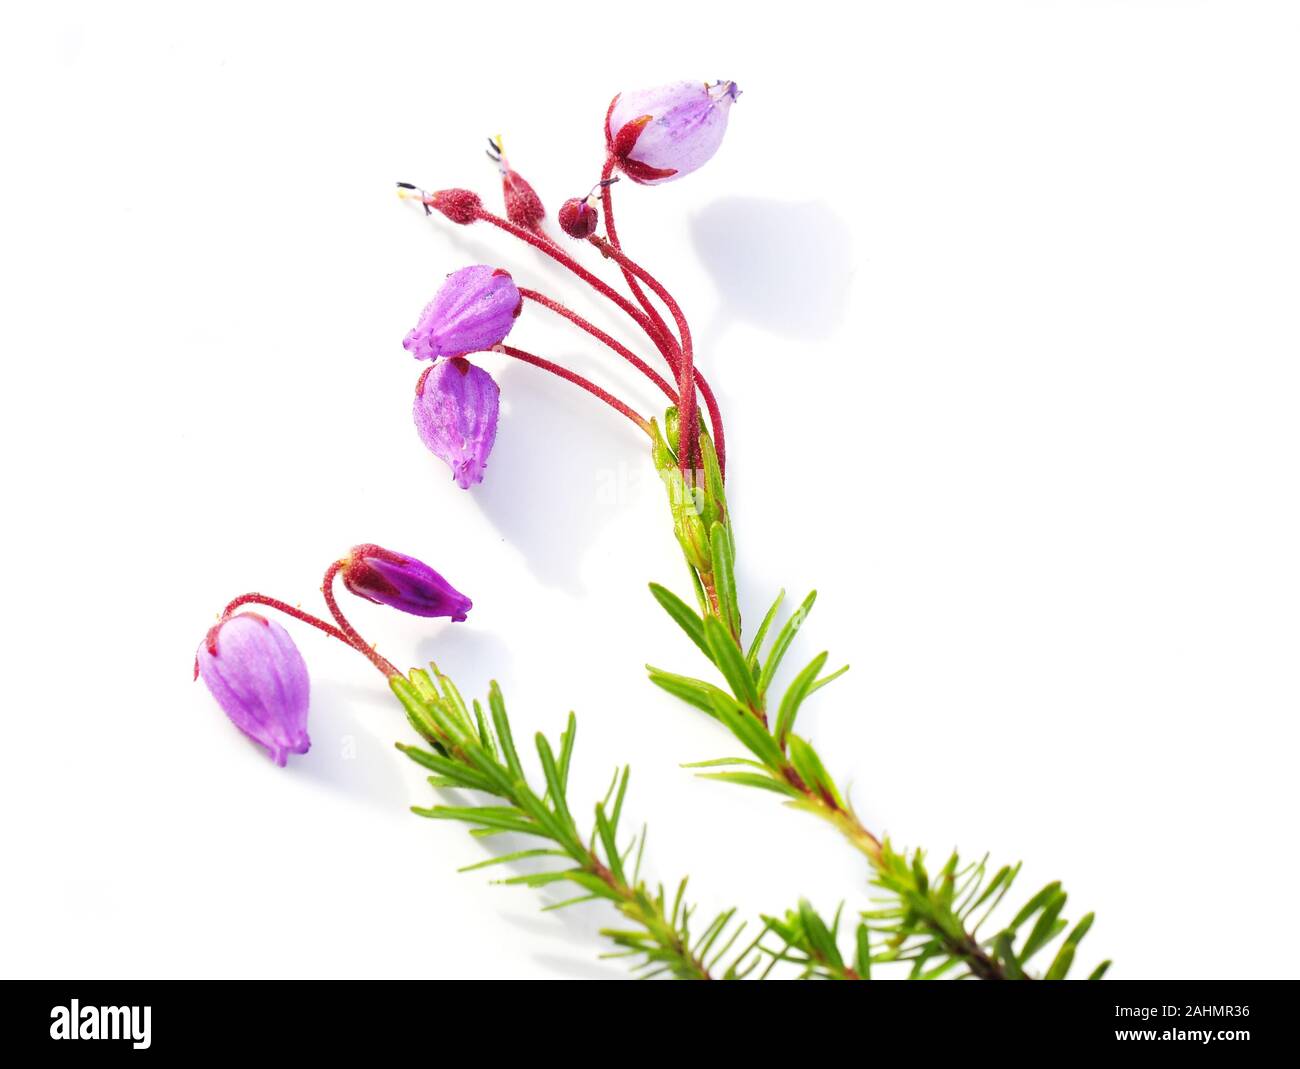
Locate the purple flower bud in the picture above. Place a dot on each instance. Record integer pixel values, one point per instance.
(406, 584)
(473, 310)
(259, 678)
(659, 134)
(456, 409)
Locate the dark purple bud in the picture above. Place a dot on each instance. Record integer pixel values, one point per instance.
(402, 582)
(456, 410)
(259, 678)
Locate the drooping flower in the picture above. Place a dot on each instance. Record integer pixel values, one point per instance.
(401, 582)
(259, 679)
(659, 134)
(473, 310)
(456, 410)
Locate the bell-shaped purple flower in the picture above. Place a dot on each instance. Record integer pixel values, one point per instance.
(402, 582)
(659, 134)
(473, 310)
(259, 678)
(456, 410)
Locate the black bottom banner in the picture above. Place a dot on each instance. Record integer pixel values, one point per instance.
(151, 1018)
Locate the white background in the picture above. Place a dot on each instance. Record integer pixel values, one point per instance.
(1000, 299)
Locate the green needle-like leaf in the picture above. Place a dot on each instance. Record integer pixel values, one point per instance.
(753, 779)
(818, 934)
(502, 723)
(1047, 927)
(485, 732)
(749, 731)
(731, 663)
(570, 902)
(756, 645)
(612, 858)
(485, 816)
(617, 811)
(454, 772)
(517, 855)
(1008, 956)
(594, 884)
(696, 692)
(862, 956)
(782, 642)
(718, 762)
(827, 679)
(812, 771)
(724, 580)
(686, 617)
(794, 696)
(535, 879)
(566, 750)
(1034, 905)
(715, 491)
(554, 782)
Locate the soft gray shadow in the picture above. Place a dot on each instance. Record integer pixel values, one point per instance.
(466, 653)
(352, 745)
(576, 968)
(547, 485)
(779, 265)
(469, 247)
(580, 923)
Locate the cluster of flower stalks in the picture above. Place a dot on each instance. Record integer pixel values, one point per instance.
(945, 919)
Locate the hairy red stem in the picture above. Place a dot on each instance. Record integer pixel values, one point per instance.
(353, 638)
(577, 380)
(607, 204)
(710, 401)
(563, 258)
(600, 335)
(689, 422)
(288, 610)
(297, 614)
(663, 340)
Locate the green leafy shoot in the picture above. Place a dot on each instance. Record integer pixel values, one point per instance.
(469, 753)
(932, 922)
